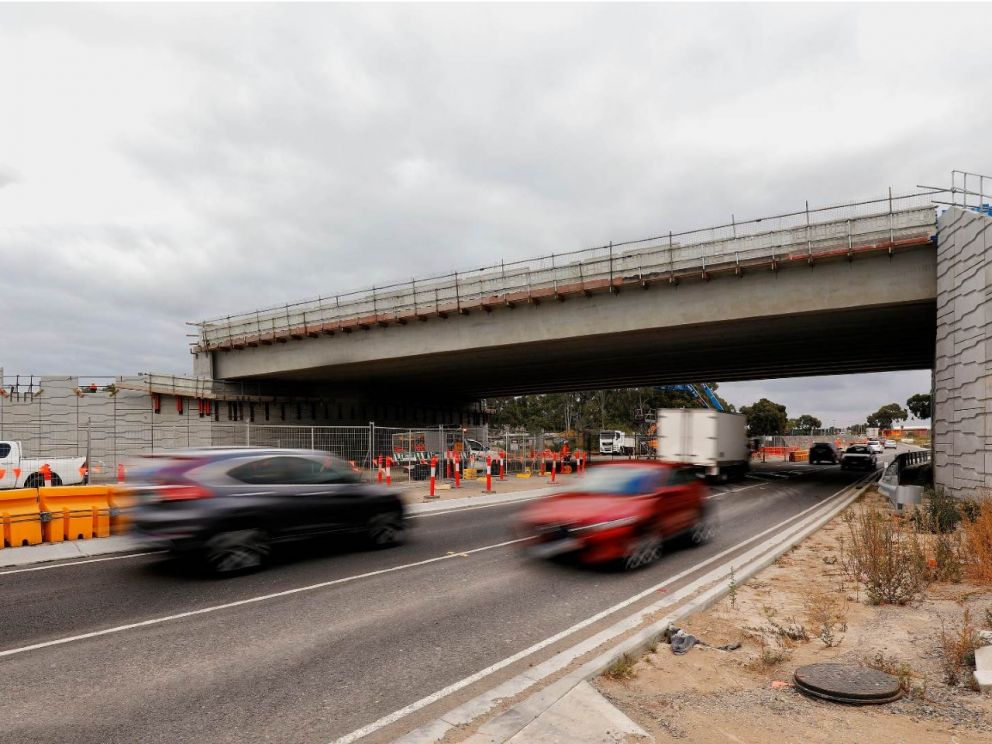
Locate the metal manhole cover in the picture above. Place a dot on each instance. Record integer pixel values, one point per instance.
(848, 683)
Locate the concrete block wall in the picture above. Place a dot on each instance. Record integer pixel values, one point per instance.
(962, 416)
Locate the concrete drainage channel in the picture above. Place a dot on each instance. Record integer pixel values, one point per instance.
(560, 674)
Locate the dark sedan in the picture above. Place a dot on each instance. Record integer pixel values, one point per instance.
(228, 506)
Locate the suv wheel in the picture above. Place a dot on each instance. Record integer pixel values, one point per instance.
(705, 528)
(235, 552)
(644, 551)
(385, 530)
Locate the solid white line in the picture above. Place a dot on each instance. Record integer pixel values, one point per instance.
(79, 563)
(250, 600)
(481, 674)
(471, 508)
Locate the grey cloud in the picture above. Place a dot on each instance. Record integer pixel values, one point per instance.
(317, 149)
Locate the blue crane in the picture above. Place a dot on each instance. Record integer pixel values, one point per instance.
(701, 391)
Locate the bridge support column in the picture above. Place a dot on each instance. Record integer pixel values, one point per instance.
(962, 411)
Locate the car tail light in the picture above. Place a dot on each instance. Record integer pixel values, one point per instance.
(183, 493)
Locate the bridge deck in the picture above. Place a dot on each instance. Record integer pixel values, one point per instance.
(846, 231)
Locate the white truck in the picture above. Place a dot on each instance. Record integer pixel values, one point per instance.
(614, 442)
(713, 441)
(17, 471)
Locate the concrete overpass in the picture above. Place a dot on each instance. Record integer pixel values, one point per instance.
(863, 287)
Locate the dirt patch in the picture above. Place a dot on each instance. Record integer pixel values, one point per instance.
(803, 609)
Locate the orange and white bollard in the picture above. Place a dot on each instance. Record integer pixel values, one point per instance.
(120, 473)
(489, 473)
(46, 474)
(378, 469)
(554, 467)
(458, 471)
(389, 473)
(502, 465)
(433, 476)
(447, 465)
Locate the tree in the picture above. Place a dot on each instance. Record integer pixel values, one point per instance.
(885, 416)
(806, 422)
(765, 418)
(919, 404)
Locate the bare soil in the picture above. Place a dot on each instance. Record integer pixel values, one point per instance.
(747, 695)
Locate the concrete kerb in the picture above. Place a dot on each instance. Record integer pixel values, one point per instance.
(512, 721)
(100, 546)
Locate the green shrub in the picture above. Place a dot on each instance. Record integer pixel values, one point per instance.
(939, 513)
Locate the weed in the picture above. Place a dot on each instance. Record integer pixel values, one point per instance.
(827, 615)
(732, 589)
(772, 656)
(948, 562)
(938, 513)
(621, 669)
(978, 538)
(885, 557)
(957, 648)
(898, 669)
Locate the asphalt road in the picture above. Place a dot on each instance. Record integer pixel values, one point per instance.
(322, 643)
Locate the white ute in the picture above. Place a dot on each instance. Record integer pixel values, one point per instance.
(17, 471)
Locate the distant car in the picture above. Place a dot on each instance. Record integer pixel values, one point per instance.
(621, 513)
(890, 444)
(823, 452)
(229, 506)
(875, 446)
(858, 457)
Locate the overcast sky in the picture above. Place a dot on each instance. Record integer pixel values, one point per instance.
(169, 163)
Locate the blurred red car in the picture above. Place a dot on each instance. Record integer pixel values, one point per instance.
(620, 512)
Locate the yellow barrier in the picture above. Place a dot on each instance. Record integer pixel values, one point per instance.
(75, 512)
(20, 517)
(121, 502)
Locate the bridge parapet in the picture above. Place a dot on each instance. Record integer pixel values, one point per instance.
(800, 237)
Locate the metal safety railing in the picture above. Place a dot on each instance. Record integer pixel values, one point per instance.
(797, 236)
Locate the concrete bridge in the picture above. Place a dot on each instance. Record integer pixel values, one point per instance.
(863, 287)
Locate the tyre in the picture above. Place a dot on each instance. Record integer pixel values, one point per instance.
(37, 480)
(230, 553)
(705, 529)
(385, 530)
(644, 550)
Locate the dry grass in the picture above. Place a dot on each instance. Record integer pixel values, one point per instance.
(978, 538)
(622, 668)
(898, 669)
(826, 613)
(885, 556)
(957, 649)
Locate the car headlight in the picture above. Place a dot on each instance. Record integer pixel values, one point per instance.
(609, 525)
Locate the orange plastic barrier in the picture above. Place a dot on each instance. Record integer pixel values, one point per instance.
(75, 512)
(799, 456)
(20, 517)
(121, 502)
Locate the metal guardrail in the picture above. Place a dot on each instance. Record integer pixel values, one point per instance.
(894, 485)
(799, 236)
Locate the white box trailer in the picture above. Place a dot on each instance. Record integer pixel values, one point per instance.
(713, 441)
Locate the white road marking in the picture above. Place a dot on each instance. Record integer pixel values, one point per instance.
(483, 673)
(472, 508)
(79, 563)
(250, 600)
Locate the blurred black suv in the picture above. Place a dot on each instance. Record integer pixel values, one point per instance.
(230, 505)
(823, 452)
